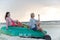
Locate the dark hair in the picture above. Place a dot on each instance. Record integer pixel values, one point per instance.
(31, 14)
(6, 15)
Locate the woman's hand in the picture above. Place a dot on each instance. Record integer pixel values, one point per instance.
(7, 28)
(38, 17)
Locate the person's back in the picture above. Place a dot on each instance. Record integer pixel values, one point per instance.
(8, 21)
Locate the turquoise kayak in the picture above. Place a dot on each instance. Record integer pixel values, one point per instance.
(19, 31)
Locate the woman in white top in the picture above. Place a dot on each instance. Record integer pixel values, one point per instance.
(35, 24)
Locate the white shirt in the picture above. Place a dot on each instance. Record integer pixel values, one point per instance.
(32, 23)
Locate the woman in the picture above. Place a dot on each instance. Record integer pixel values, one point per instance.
(10, 21)
(35, 24)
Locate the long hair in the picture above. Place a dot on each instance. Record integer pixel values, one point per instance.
(6, 15)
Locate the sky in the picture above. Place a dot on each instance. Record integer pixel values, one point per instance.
(21, 9)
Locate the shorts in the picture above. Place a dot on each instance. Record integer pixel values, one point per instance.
(35, 28)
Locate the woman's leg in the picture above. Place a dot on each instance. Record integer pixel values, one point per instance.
(26, 26)
(40, 29)
(19, 24)
(38, 26)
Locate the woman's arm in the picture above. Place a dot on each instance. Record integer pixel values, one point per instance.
(38, 17)
(7, 23)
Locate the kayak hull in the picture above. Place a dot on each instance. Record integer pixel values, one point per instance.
(23, 32)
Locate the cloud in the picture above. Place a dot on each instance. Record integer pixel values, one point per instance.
(21, 8)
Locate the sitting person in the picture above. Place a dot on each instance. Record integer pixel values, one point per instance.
(10, 21)
(35, 24)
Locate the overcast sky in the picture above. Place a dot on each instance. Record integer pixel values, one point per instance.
(21, 9)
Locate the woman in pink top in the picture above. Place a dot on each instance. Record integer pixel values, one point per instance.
(10, 21)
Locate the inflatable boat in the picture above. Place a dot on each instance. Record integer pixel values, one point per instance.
(24, 32)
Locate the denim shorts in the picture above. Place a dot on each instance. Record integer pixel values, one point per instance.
(35, 28)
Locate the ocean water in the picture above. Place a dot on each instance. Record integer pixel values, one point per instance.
(52, 28)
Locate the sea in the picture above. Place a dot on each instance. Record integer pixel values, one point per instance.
(52, 28)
